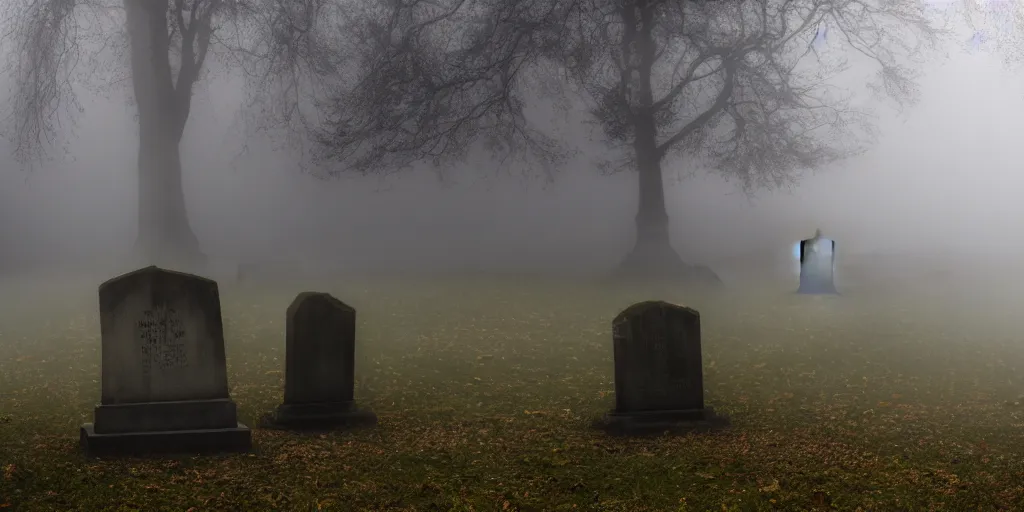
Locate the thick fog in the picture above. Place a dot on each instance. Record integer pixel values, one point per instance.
(944, 179)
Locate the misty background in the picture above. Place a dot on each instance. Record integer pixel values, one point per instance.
(944, 180)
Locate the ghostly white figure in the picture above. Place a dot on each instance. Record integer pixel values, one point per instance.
(817, 265)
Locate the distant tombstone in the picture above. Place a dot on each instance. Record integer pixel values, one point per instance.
(164, 375)
(817, 265)
(659, 379)
(320, 366)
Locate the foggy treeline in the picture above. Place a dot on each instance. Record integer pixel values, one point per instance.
(943, 179)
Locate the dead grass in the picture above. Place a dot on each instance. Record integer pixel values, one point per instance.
(485, 391)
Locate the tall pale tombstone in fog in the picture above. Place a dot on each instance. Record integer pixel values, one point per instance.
(659, 376)
(320, 352)
(817, 265)
(164, 374)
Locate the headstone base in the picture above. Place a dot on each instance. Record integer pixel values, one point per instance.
(165, 416)
(657, 422)
(203, 441)
(321, 415)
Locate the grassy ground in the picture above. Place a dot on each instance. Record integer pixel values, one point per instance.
(485, 390)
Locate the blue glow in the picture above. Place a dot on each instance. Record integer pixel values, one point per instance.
(796, 251)
(820, 38)
(976, 41)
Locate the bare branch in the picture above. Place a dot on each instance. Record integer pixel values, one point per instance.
(720, 104)
(195, 43)
(46, 40)
(45, 52)
(734, 85)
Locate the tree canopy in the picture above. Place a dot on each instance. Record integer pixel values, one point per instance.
(735, 85)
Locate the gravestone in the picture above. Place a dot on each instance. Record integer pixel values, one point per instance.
(659, 379)
(164, 376)
(817, 265)
(320, 366)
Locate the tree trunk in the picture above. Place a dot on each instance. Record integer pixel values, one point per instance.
(652, 234)
(653, 257)
(165, 236)
(652, 253)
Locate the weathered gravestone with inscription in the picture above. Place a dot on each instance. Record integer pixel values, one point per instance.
(817, 265)
(164, 375)
(319, 366)
(659, 380)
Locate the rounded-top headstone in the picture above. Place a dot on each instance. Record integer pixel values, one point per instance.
(162, 338)
(320, 350)
(657, 358)
(164, 376)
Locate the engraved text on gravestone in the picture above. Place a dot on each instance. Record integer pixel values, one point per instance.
(162, 333)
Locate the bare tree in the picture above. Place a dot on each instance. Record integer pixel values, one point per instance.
(736, 87)
(163, 47)
(996, 27)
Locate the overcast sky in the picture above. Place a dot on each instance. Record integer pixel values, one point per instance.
(945, 177)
